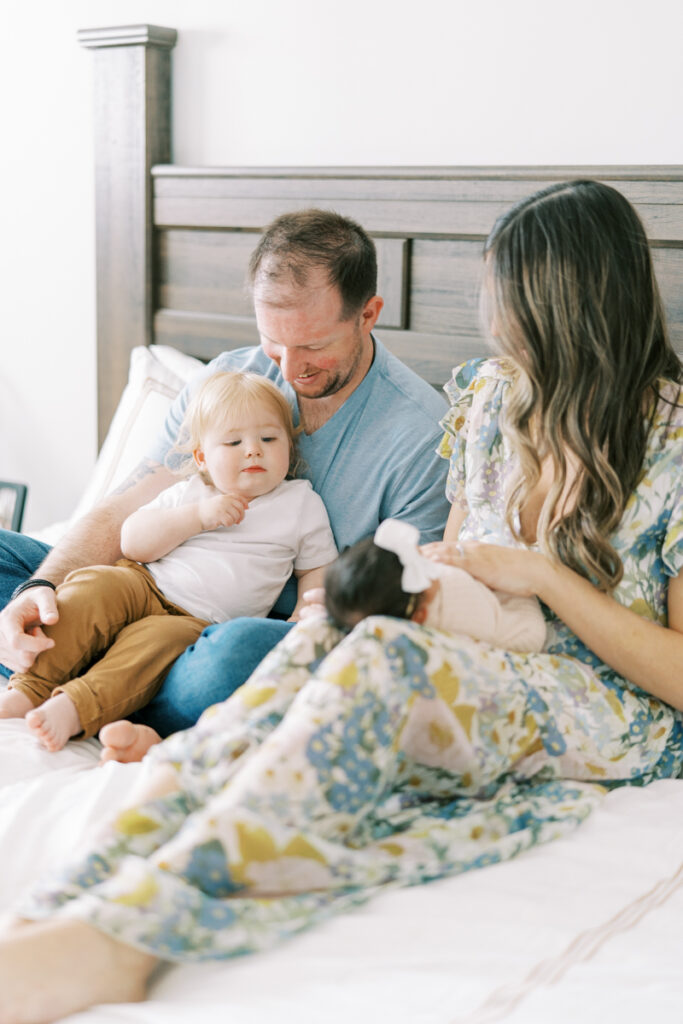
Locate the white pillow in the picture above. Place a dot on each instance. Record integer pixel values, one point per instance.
(157, 373)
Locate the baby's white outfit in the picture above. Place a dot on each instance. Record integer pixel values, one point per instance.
(465, 605)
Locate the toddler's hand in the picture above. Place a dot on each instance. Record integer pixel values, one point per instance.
(314, 604)
(223, 510)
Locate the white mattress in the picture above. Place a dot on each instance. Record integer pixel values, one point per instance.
(585, 929)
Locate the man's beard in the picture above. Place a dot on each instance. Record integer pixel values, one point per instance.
(339, 378)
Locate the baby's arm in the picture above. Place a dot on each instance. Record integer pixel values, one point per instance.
(150, 533)
(308, 579)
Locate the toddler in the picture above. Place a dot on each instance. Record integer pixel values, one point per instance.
(219, 544)
(387, 575)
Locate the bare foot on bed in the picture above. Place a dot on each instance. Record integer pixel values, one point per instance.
(123, 741)
(14, 704)
(54, 722)
(108, 971)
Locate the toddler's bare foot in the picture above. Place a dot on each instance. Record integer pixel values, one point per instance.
(108, 971)
(55, 721)
(14, 704)
(123, 741)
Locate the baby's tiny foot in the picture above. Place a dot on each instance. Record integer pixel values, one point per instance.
(54, 722)
(14, 704)
(125, 742)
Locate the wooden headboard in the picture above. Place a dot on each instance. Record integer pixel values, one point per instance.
(173, 242)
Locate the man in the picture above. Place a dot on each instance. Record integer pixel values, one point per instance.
(369, 427)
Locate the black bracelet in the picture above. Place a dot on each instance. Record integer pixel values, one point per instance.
(31, 583)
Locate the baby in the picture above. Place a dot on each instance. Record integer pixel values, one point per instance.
(387, 575)
(219, 544)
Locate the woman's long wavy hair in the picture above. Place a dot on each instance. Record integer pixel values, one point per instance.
(573, 302)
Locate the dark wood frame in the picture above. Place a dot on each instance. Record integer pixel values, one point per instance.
(17, 515)
(172, 242)
(132, 105)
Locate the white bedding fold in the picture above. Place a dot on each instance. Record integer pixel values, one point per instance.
(439, 954)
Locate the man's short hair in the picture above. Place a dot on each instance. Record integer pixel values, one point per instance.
(296, 243)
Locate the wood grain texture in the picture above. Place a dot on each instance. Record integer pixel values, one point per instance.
(132, 132)
(429, 226)
(206, 272)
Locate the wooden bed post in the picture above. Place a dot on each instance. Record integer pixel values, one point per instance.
(132, 133)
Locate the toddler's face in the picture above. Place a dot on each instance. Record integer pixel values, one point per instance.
(248, 456)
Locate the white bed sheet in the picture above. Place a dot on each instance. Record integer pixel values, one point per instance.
(505, 943)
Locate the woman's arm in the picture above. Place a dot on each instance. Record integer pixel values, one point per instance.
(650, 655)
(638, 649)
(456, 517)
(150, 533)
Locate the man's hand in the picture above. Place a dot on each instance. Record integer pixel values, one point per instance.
(21, 636)
(223, 510)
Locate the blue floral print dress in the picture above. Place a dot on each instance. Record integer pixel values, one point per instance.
(391, 756)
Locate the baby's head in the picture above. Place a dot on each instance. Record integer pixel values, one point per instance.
(380, 575)
(239, 430)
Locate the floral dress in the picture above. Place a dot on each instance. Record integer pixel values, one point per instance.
(391, 756)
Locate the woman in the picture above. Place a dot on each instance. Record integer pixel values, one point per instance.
(398, 754)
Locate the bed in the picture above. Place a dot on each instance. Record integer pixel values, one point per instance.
(585, 927)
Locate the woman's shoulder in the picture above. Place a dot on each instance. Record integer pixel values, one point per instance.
(476, 392)
(473, 375)
(668, 415)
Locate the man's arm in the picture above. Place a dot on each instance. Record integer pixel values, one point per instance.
(93, 540)
(417, 491)
(96, 538)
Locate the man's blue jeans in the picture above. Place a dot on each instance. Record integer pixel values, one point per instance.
(210, 670)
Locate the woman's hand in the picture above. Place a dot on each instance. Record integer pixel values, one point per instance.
(638, 649)
(515, 570)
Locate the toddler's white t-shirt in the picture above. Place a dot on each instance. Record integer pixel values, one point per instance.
(240, 570)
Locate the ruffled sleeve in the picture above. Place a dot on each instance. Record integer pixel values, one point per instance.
(669, 467)
(672, 546)
(471, 425)
(460, 392)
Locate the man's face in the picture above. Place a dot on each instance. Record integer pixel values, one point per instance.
(302, 331)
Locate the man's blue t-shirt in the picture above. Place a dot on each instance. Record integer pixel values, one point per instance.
(373, 459)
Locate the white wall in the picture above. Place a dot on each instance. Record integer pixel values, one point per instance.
(296, 82)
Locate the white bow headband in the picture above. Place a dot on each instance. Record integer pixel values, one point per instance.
(403, 539)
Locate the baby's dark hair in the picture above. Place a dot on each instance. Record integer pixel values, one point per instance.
(366, 580)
